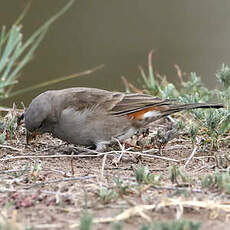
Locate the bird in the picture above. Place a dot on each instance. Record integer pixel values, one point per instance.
(94, 117)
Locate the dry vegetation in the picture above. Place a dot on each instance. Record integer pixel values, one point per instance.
(173, 176)
(48, 186)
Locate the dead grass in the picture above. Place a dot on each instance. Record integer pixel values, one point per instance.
(44, 186)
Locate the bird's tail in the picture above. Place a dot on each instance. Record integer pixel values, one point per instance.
(177, 108)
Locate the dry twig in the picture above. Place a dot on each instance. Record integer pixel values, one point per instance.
(190, 157)
(60, 180)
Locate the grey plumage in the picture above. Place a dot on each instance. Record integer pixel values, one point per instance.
(89, 116)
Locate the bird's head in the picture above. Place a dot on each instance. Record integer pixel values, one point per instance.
(36, 116)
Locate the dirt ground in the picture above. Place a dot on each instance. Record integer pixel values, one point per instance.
(46, 186)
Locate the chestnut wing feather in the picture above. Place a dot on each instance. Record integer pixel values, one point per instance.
(131, 103)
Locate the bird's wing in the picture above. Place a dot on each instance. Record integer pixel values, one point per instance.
(134, 103)
(115, 103)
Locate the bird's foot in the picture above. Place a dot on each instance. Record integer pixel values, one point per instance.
(78, 150)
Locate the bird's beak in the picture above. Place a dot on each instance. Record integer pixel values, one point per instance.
(30, 136)
(20, 119)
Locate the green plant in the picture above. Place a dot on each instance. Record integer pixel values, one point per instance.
(194, 88)
(15, 53)
(145, 227)
(86, 222)
(219, 181)
(2, 138)
(223, 76)
(107, 195)
(36, 170)
(173, 225)
(168, 91)
(150, 80)
(155, 84)
(117, 226)
(193, 131)
(213, 123)
(176, 173)
(216, 123)
(121, 188)
(8, 126)
(143, 176)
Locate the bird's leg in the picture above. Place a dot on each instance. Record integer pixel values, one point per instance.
(76, 150)
(101, 146)
(142, 133)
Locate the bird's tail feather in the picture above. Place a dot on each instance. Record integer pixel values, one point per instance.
(178, 108)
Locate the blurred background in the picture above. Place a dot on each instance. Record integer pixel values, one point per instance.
(120, 33)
